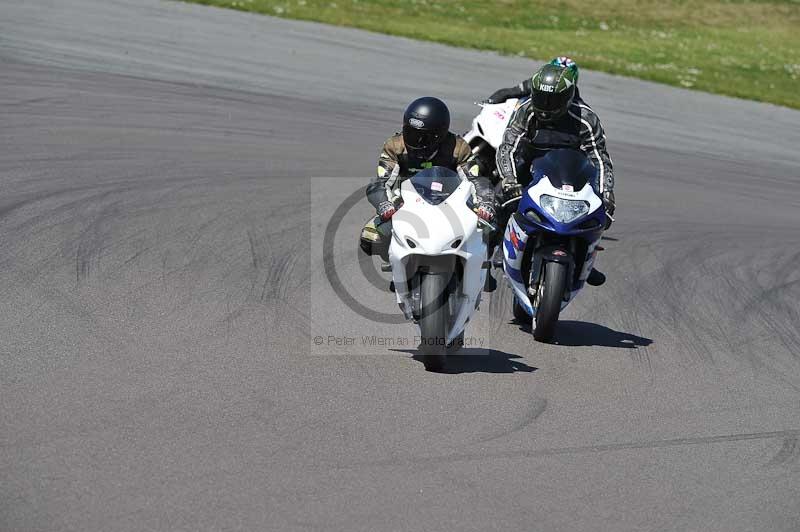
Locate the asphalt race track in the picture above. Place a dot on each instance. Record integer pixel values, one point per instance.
(167, 175)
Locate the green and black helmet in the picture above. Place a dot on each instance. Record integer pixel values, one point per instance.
(552, 90)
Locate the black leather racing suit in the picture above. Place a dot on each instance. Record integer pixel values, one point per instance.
(526, 139)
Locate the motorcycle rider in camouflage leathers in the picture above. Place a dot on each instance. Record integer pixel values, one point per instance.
(425, 141)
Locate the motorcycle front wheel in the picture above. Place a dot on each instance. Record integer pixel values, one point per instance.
(550, 295)
(434, 319)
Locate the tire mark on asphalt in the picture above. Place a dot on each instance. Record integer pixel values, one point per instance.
(712, 301)
(537, 408)
(276, 286)
(136, 255)
(587, 449)
(253, 254)
(92, 240)
(788, 453)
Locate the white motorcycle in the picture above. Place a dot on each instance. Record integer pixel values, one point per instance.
(487, 131)
(438, 259)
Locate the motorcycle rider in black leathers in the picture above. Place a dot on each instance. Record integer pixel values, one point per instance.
(555, 116)
(425, 141)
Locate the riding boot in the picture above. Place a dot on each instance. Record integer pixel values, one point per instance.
(595, 278)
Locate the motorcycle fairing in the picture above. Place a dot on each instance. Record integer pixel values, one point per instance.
(423, 232)
(572, 180)
(543, 186)
(514, 242)
(492, 121)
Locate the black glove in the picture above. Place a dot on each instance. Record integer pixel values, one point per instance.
(610, 205)
(511, 190)
(499, 96)
(386, 210)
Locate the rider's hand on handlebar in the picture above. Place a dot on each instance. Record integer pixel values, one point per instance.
(386, 210)
(511, 190)
(485, 212)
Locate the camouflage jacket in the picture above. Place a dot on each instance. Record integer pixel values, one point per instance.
(395, 165)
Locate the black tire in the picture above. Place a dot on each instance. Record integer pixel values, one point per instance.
(551, 292)
(433, 320)
(522, 317)
(456, 345)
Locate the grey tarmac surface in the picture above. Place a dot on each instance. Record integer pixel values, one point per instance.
(167, 172)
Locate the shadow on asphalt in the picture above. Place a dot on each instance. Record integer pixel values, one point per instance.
(473, 360)
(584, 334)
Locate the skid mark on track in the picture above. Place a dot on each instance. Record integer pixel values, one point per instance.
(136, 255)
(16, 205)
(711, 298)
(579, 450)
(83, 262)
(788, 453)
(92, 241)
(536, 409)
(275, 285)
(253, 254)
(277, 273)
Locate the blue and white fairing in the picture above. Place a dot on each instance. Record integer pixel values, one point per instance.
(560, 204)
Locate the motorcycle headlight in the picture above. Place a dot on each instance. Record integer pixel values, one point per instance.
(563, 210)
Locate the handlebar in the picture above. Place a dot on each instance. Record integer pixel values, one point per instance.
(487, 226)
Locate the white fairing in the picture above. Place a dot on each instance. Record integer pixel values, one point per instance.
(434, 229)
(513, 260)
(544, 186)
(491, 122)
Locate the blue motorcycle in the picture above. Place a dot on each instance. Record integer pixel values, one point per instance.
(550, 242)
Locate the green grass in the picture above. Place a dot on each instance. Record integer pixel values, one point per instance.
(748, 49)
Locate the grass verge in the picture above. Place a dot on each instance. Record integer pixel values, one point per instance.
(748, 49)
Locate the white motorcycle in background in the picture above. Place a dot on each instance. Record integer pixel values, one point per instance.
(487, 131)
(438, 258)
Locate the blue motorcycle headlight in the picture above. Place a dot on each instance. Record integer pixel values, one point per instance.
(563, 210)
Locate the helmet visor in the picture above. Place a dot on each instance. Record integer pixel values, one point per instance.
(420, 138)
(551, 103)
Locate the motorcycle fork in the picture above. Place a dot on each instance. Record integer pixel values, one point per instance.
(563, 252)
(437, 265)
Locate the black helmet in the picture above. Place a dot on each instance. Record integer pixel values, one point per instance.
(426, 123)
(552, 91)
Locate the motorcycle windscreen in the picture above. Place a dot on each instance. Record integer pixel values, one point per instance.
(567, 169)
(436, 184)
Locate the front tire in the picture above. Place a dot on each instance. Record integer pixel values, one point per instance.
(551, 294)
(456, 345)
(434, 320)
